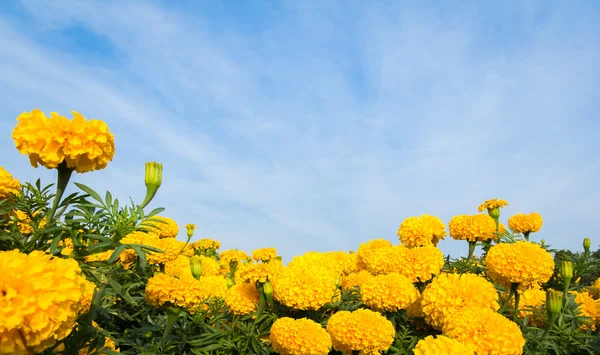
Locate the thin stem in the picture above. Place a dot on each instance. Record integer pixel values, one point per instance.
(64, 174)
(471, 249)
(566, 291)
(513, 290)
(517, 299)
(526, 234)
(551, 321)
(172, 314)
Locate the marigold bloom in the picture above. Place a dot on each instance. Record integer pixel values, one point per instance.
(205, 244)
(485, 331)
(9, 186)
(180, 267)
(355, 279)
(232, 256)
(363, 330)
(421, 264)
(522, 262)
(25, 224)
(171, 248)
(449, 293)
(421, 231)
(388, 293)
(442, 345)
(492, 204)
(299, 337)
(164, 227)
(242, 299)
(40, 299)
(588, 308)
(264, 254)
(525, 223)
(366, 249)
(472, 228)
(84, 145)
(185, 292)
(531, 297)
(304, 288)
(258, 272)
(386, 259)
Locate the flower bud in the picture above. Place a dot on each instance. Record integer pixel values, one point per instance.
(553, 302)
(153, 180)
(587, 243)
(494, 213)
(196, 266)
(566, 270)
(190, 229)
(230, 282)
(268, 290)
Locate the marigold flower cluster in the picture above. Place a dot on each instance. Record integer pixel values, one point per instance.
(522, 262)
(386, 259)
(588, 308)
(264, 254)
(366, 249)
(180, 267)
(25, 224)
(449, 293)
(441, 345)
(262, 272)
(355, 279)
(418, 264)
(164, 227)
(84, 145)
(242, 299)
(308, 287)
(171, 248)
(299, 337)
(184, 292)
(525, 223)
(205, 244)
(473, 228)
(338, 263)
(531, 297)
(492, 204)
(363, 330)
(227, 257)
(37, 313)
(420, 231)
(9, 186)
(486, 331)
(388, 293)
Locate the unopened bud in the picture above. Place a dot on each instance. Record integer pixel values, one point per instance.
(566, 270)
(587, 243)
(190, 229)
(268, 290)
(196, 266)
(553, 302)
(153, 180)
(494, 213)
(230, 282)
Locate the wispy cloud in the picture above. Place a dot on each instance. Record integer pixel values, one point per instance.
(317, 127)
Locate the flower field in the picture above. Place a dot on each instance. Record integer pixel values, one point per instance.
(85, 274)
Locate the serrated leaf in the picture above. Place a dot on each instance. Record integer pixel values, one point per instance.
(90, 192)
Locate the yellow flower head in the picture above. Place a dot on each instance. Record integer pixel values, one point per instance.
(242, 299)
(530, 297)
(171, 248)
(258, 272)
(522, 262)
(363, 330)
(486, 331)
(164, 227)
(525, 223)
(442, 345)
(388, 293)
(385, 259)
(264, 254)
(421, 264)
(25, 224)
(366, 249)
(299, 337)
(206, 244)
(492, 204)
(9, 186)
(421, 231)
(472, 228)
(180, 266)
(40, 299)
(185, 292)
(356, 279)
(449, 293)
(588, 307)
(306, 287)
(84, 145)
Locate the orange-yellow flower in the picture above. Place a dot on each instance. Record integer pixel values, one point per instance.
(9, 186)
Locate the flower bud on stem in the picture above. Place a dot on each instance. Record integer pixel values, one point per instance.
(566, 271)
(153, 180)
(553, 305)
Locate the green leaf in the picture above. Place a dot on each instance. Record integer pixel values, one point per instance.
(116, 253)
(90, 192)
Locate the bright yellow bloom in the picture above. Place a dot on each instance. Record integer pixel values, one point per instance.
(84, 145)
(9, 186)
(415, 310)
(588, 307)
(449, 293)
(264, 254)
(184, 292)
(472, 228)
(363, 330)
(40, 299)
(171, 248)
(366, 249)
(299, 337)
(258, 272)
(206, 244)
(485, 331)
(385, 259)
(242, 299)
(356, 279)
(442, 345)
(227, 257)
(421, 231)
(25, 224)
(337, 262)
(388, 293)
(180, 266)
(306, 287)
(164, 227)
(492, 204)
(522, 262)
(525, 223)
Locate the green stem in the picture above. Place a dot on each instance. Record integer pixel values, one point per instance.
(526, 234)
(150, 193)
(517, 299)
(64, 174)
(471, 249)
(262, 299)
(551, 321)
(566, 291)
(513, 290)
(172, 314)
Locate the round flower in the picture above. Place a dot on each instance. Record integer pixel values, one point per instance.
(421, 231)
(442, 345)
(522, 262)
(472, 228)
(492, 204)
(588, 308)
(525, 223)
(448, 293)
(40, 299)
(9, 186)
(338, 263)
(180, 267)
(531, 297)
(299, 337)
(25, 224)
(304, 288)
(366, 249)
(258, 272)
(356, 279)
(362, 330)
(164, 227)
(388, 293)
(228, 257)
(171, 248)
(486, 331)
(185, 292)
(83, 145)
(421, 264)
(242, 299)
(264, 254)
(386, 259)
(205, 244)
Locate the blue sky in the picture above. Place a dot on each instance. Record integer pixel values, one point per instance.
(320, 125)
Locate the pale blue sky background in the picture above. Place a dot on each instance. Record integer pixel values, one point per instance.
(319, 125)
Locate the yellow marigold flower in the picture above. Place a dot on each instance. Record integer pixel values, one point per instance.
(9, 186)
(421, 264)
(388, 293)
(485, 331)
(25, 224)
(363, 330)
(305, 288)
(522, 262)
(206, 244)
(258, 272)
(171, 248)
(264, 254)
(355, 279)
(299, 337)
(87, 293)
(384, 260)
(421, 231)
(588, 308)
(366, 249)
(525, 223)
(415, 310)
(108, 344)
(594, 289)
(84, 145)
(103, 256)
(472, 228)
(531, 297)
(180, 266)
(242, 299)
(337, 262)
(227, 257)
(442, 345)
(164, 227)
(448, 293)
(492, 204)
(40, 299)
(184, 292)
